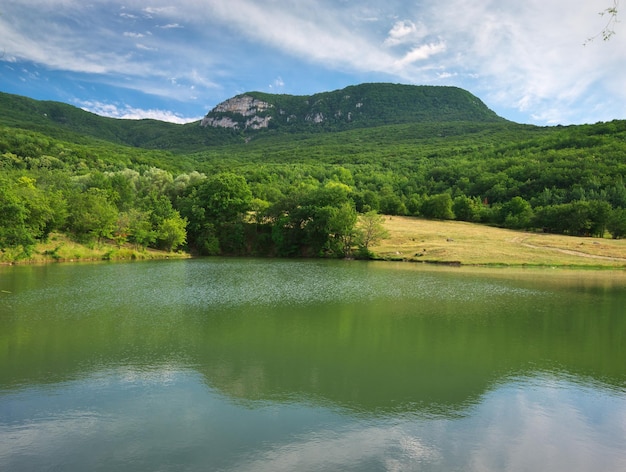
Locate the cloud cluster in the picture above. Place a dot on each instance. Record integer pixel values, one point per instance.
(126, 112)
(525, 59)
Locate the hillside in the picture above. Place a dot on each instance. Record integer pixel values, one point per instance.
(298, 186)
(69, 123)
(362, 106)
(359, 106)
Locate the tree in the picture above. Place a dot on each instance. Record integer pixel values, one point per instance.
(171, 232)
(371, 229)
(215, 209)
(617, 223)
(467, 208)
(341, 228)
(14, 230)
(314, 222)
(91, 215)
(516, 213)
(225, 197)
(599, 215)
(438, 207)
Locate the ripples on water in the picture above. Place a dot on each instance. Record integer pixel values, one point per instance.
(237, 365)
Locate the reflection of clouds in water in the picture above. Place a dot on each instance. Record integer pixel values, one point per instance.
(158, 416)
(550, 424)
(538, 423)
(369, 448)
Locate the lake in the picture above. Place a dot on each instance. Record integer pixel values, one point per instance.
(285, 365)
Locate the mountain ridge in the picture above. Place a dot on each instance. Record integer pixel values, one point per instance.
(364, 105)
(246, 116)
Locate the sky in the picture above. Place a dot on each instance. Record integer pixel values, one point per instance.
(530, 61)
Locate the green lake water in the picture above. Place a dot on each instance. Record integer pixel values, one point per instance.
(280, 365)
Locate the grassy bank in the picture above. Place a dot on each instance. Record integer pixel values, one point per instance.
(455, 242)
(410, 239)
(59, 248)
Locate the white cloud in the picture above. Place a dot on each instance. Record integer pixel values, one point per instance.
(144, 47)
(529, 55)
(421, 53)
(526, 56)
(403, 32)
(278, 83)
(127, 112)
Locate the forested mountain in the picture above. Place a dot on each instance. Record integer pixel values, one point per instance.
(359, 106)
(362, 106)
(290, 176)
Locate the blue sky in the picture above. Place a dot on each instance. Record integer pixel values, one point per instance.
(175, 60)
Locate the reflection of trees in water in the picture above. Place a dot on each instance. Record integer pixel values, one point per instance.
(433, 355)
(379, 364)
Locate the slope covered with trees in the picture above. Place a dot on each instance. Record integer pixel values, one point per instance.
(302, 192)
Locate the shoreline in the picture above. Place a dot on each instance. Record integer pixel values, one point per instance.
(415, 240)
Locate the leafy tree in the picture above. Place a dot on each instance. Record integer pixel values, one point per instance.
(141, 232)
(14, 230)
(171, 232)
(370, 230)
(91, 215)
(314, 222)
(516, 213)
(215, 209)
(617, 223)
(467, 208)
(225, 197)
(599, 215)
(341, 228)
(438, 207)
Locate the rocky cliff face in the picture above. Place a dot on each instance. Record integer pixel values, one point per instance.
(240, 112)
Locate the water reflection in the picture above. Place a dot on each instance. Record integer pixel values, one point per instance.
(170, 420)
(282, 365)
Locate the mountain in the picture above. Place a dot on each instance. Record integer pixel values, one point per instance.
(358, 106)
(246, 116)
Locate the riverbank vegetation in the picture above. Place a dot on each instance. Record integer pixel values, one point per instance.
(305, 194)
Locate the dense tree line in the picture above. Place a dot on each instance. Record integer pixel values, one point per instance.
(307, 195)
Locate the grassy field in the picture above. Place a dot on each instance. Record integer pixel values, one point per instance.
(455, 242)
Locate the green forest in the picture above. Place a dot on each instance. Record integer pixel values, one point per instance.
(298, 191)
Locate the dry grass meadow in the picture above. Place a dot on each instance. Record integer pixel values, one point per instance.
(455, 242)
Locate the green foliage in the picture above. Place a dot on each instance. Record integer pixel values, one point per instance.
(92, 216)
(297, 190)
(370, 230)
(314, 222)
(171, 232)
(438, 207)
(516, 213)
(617, 223)
(14, 228)
(467, 208)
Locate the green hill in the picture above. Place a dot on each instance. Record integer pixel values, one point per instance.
(361, 106)
(67, 122)
(304, 167)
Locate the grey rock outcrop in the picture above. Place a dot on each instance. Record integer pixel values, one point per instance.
(239, 112)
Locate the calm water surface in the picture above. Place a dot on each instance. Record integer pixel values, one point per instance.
(264, 365)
